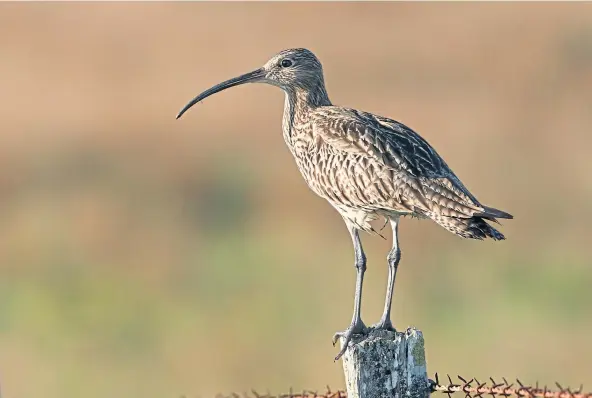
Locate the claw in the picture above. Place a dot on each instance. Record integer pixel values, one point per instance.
(336, 337)
(342, 350)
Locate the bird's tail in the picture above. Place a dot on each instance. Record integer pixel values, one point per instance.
(473, 228)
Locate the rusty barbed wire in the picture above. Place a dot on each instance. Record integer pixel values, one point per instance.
(474, 389)
(470, 388)
(303, 394)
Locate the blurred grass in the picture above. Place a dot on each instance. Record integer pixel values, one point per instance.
(143, 256)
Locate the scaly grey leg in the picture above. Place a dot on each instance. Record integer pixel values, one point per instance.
(357, 326)
(393, 262)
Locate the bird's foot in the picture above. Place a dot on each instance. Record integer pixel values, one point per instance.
(354, 328)
(384, 324)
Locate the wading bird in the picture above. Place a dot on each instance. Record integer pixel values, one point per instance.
(366, 166)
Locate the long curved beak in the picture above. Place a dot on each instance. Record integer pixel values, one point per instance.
(246, 78)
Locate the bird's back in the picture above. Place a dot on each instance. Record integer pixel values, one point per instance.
(369, 165)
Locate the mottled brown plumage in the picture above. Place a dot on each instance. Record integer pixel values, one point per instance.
(366, 166)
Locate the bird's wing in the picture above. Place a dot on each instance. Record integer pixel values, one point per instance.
(428, 181)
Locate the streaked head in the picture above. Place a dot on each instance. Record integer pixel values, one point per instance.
(297, 67)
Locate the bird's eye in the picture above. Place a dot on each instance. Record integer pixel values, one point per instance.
(286, 63)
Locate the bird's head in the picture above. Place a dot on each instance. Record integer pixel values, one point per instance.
(297, 67)
(289, 69)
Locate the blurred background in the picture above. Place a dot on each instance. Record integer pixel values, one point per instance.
(144, 256)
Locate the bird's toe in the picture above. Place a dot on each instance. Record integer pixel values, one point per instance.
(384, 325)
(346, 336)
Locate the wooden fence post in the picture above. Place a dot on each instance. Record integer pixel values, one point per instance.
(386, 365)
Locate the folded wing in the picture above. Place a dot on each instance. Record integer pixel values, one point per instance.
(427, 185)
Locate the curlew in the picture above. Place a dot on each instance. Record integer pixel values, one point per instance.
(366, 166)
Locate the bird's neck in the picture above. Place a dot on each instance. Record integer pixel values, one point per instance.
(300, 102)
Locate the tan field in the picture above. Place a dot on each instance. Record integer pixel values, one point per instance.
(143, 256)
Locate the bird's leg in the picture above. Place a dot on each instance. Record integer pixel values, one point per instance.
(356, 326)
(393, 262)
